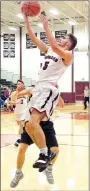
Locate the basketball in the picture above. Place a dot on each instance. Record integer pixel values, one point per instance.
(31, 8)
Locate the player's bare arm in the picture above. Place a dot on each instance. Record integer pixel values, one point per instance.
(66, 55)
(14, 100)
(25, 92)
(39, 43)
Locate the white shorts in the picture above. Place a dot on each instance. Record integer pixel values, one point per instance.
(45, 98)
(20, 117)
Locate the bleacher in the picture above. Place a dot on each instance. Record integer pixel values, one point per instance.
(9, 79)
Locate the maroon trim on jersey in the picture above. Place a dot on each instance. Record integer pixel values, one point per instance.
(45, 102)
(51, 110)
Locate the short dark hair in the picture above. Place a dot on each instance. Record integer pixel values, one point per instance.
(73, 40)
(20, 81)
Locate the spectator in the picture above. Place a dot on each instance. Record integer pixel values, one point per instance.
(1, 103)
(6, 94)
(86, 97)
(7, 106)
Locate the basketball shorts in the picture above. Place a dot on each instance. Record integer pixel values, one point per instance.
(48, 129)
(20, 117)
(45, 98)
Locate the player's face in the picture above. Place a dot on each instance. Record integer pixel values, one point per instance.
(20, 86)
(63, 41)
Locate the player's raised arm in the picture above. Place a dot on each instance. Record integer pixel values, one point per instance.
(39, 43)
(65, 52)
(53, 43)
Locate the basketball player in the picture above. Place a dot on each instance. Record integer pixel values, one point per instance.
(45, 94)
(51, 141)
(86, 97)
(20, 109)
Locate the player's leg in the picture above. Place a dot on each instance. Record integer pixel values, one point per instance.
(28, 128)
(88, 101)
(20, 118)
(19, 135)
(50, 135)
(20, 128)
(35, 117)
(39, 136)
(25, 142)
(85, 101)
(21, 125)
(55, 149)
(30, 132)
(34, 122)
(42, 105)
(52, 144)
(49, 170)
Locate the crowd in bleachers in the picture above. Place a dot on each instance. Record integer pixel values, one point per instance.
(5, 91)
(4, 97)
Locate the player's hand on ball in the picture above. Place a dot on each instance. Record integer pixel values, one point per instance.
(24, 16)
(26, 19)
(43, 18)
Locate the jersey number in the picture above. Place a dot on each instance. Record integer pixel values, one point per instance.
(21, 101)
(45, 65)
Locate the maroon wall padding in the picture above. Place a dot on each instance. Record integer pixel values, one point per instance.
(68, 96)
(78, 95)
(79, 90)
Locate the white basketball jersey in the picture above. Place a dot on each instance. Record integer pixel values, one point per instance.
(21, 108)
(52, 68)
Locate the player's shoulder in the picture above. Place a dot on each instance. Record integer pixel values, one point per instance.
(13, 93)
(68, 58)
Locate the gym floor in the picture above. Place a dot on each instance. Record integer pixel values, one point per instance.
(71, 168)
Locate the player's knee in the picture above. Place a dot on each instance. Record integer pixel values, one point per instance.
(27, 126)
(23, 149)
(34, 122)
(21, 124)
(35, 118)
(55, 149)
(20, 131)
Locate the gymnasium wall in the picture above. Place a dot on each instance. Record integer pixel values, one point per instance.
(81, 66)
(11, 64)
